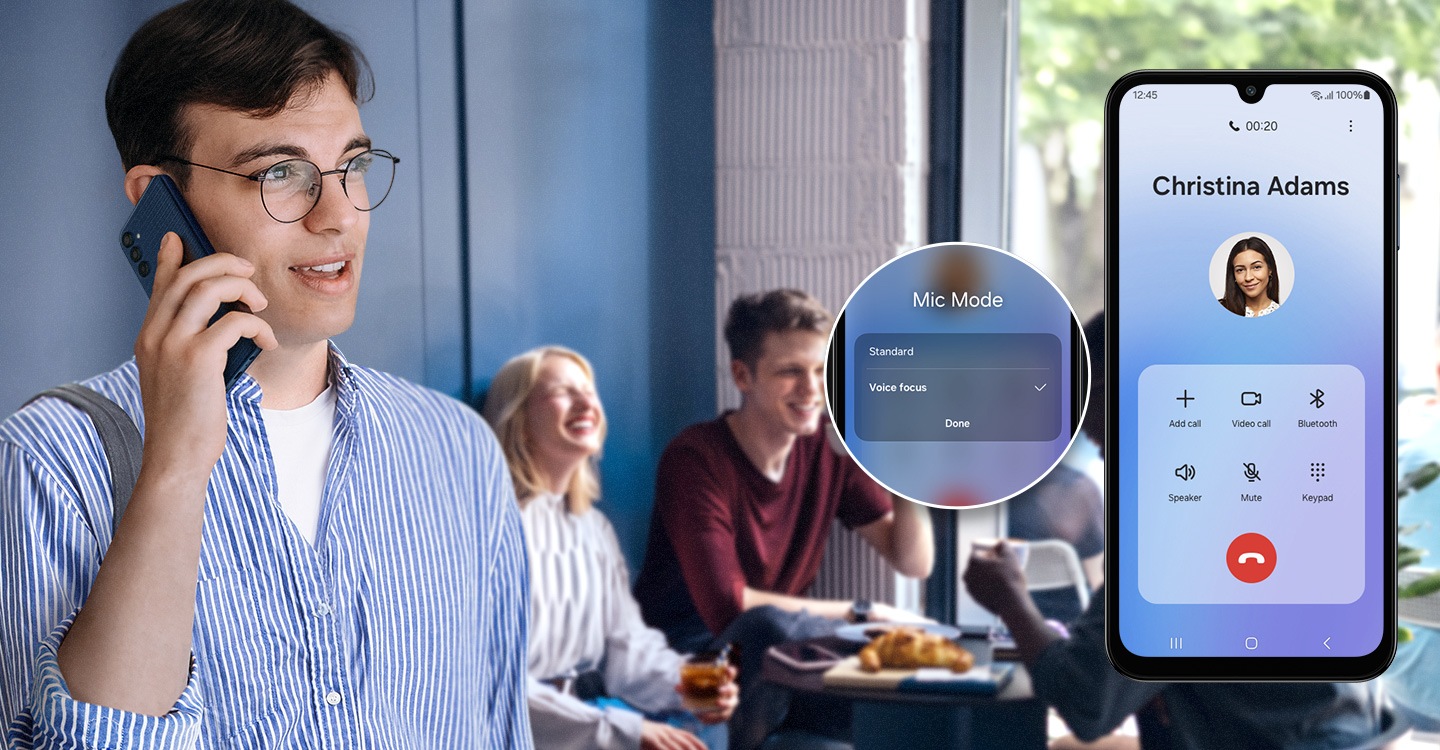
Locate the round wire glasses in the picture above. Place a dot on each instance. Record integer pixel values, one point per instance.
(290, 189)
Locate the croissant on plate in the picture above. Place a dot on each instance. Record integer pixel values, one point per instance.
(912, 648)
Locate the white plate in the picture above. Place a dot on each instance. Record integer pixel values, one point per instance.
(856, 632)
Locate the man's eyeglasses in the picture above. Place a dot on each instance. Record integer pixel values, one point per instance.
(290, 189)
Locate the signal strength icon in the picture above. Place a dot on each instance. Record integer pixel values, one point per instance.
(1330, 95)
(1318, 96)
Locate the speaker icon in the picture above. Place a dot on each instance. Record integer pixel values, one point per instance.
(1185, 472)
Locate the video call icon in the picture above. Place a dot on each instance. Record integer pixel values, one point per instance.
(1250, 398)
(1186, 472)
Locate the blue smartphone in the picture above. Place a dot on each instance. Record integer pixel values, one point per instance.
(1250, 375)
(162, 209)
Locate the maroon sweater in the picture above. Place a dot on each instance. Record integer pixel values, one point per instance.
(720, 525)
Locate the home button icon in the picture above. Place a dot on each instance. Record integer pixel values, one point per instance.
(1252, 643)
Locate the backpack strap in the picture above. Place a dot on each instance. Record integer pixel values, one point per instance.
(118, 435)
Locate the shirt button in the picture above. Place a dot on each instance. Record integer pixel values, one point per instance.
(322, 609)
(333, 698)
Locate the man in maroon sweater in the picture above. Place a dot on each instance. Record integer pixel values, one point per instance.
(744, 503)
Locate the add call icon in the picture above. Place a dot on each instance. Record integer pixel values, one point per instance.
(1251, 558)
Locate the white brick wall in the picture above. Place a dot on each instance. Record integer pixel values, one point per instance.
(820, 146)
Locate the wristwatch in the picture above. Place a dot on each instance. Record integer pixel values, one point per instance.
(860, 610)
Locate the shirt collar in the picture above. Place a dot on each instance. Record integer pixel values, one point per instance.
(342, 373)
(342, 378)
(246, 389)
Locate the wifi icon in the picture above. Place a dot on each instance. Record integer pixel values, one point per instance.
(1318, 96)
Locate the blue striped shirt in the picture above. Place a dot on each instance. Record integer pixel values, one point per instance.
(402, 627)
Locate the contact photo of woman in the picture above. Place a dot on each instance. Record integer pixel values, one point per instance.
(1252, 280)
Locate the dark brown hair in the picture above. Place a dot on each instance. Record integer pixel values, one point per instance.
(1234, 299)
(248, 55)
(778, 311)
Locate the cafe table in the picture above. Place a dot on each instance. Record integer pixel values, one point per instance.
(889, 720)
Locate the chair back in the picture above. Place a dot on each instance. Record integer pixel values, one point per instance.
(1053, 564)
(1394, 730)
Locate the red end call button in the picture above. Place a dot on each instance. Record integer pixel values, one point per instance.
(1251, 558)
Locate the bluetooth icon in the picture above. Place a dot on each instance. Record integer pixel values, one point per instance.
(1316, 398)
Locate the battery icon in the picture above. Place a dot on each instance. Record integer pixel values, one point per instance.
(1367, 93)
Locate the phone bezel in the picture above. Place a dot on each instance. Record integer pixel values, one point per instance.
(1227, 668)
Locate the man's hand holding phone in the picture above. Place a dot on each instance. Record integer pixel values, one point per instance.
(141, 608)
(182, 357)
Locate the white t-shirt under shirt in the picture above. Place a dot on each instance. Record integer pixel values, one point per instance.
(300, 442)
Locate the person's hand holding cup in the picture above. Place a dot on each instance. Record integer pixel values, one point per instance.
(707, 686)
(995, 575)
(1020, 547)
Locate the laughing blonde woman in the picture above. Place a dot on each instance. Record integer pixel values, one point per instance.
(596, 671)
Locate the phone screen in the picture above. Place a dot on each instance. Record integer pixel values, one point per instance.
(1250, 453)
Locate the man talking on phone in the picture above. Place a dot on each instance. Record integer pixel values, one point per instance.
(323, 555)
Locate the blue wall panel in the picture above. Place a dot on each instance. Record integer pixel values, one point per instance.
(569, 217)
(682, 217)
(69, 306)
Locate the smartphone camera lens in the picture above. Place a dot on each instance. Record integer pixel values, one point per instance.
(144, 269)
(127, 239)
(1250, 93)
(135, 254)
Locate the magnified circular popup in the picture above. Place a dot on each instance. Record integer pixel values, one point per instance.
(957, 375)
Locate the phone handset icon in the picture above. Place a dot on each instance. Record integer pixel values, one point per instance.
(1251, 558)
(1234, 127)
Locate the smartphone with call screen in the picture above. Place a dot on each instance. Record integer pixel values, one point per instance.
(161, 209)
(1250, 375)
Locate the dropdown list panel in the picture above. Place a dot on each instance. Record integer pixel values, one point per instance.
(957, 387)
